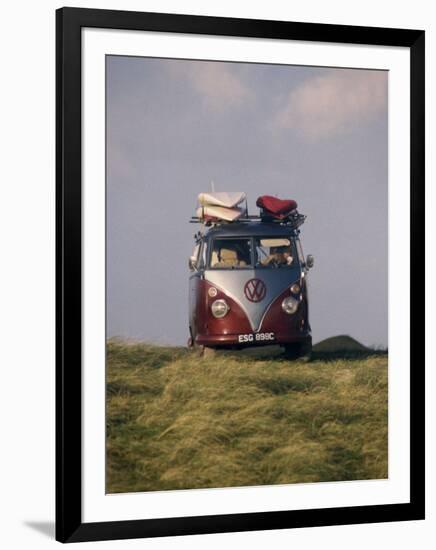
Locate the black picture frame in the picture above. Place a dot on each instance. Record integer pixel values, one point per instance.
(69, 525)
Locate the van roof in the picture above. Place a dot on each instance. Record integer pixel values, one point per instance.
(250, 229)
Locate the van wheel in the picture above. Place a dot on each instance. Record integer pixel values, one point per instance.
(306, 352)
(203, 351)
(292, 351)
(298, 351)
(191, 342)
(208, 352)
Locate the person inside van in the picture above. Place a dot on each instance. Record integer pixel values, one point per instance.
(279, 256)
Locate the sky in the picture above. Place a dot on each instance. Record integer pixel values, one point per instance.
(316, 135)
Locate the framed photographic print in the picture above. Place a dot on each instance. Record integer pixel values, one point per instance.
(215, 178)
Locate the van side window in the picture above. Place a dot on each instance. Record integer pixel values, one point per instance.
(196, 251)
(203, 255)
(300, 251)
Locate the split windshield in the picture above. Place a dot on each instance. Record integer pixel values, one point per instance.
(260, 252)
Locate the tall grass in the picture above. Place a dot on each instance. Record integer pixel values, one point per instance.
(177, 421)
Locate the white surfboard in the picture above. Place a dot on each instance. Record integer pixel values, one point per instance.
(225, 199)
(226, 214)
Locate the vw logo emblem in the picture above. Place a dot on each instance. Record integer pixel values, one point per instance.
(255, 290)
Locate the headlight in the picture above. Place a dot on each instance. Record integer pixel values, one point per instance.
(295, 288)
(219, 308)
(290, 305)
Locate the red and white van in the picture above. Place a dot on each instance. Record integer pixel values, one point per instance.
(248, 285)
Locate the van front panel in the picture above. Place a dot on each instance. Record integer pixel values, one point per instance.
(253, 290)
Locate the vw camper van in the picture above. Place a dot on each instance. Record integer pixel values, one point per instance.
(248, 283)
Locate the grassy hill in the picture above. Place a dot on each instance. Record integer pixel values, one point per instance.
(177, 421)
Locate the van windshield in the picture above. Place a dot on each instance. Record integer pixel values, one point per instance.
(273, 252)
(231, 254)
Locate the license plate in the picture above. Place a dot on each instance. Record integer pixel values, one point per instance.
(258, 337)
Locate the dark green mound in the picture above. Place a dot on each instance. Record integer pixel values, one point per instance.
(340, 343)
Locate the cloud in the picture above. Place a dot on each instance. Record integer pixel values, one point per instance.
(217, 85)
(329, 105)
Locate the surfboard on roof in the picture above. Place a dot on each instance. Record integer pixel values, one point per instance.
(223, 199)
(212, 212)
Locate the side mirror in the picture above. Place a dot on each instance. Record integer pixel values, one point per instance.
(192, 262)
(310, 260)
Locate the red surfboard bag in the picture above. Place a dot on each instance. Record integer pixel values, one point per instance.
(276, 207)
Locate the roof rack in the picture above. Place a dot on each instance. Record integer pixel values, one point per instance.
(294, 220)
